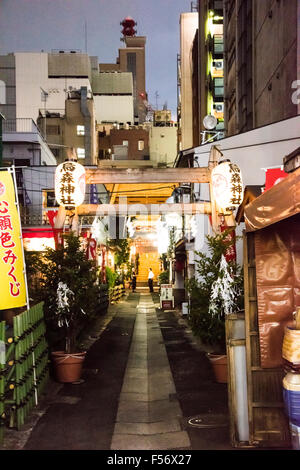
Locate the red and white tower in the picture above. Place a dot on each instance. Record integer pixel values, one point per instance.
(128, 27)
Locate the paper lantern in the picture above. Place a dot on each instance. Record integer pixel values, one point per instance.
(174, 220)
(227, 185)
(70, 184)
(163, 238)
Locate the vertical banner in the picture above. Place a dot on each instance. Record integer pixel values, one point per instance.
(57, 232)
(13, 283)
(94, 198)
(230, 254)
(91, 250)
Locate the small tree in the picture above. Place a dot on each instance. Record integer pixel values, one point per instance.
(69, 290)
(212, 293)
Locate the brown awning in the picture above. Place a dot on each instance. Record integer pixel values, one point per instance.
(251, 192)
(278, 203)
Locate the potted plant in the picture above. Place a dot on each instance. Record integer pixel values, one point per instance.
(216, 291)
(69, 289)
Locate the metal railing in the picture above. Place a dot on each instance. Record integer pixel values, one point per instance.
(23, 125)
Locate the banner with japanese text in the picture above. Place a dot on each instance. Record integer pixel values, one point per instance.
(13, 287)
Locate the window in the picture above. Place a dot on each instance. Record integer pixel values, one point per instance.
(141, 145)
(80, 153)
(125, 143)
(52, 129)
(218, 89)
(49, 198)
(2, 92)
(218, 44)
(80, 130)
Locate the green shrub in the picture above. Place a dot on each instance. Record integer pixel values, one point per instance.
(163, 277)
(67, 265)
(210, 327)
(111, 277)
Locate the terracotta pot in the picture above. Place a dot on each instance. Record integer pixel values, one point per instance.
(219, 365)
(67, 367)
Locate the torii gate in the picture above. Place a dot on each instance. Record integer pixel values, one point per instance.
(150, 175)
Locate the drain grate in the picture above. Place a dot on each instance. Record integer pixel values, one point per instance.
(208, 421)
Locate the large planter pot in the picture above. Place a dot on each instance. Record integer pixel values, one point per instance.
(67, 367)
(219, 365)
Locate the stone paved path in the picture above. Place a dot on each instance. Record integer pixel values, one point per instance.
(143, 379)
(148, 414)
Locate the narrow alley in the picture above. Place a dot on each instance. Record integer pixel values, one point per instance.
(143, 380)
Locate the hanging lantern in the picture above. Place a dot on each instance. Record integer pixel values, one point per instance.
(70, 184)
(227, 185)
(174, 220)
(163, 238)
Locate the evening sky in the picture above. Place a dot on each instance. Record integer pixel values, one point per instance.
(35, 25)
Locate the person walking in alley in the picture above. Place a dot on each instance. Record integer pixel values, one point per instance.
(133, 281)
(150, 279)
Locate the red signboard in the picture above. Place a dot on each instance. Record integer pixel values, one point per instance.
(274, 176)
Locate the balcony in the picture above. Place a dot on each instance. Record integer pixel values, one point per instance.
(22, 125)
(216, 6)
(218, 89)
(218, 46)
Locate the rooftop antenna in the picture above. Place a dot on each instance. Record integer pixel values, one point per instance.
(85, 35)
(194, 6)
(156, 99)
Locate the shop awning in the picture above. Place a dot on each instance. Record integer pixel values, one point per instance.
(276, 204)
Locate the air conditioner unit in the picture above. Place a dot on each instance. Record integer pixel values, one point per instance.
(219, 107)
(221, 135)
(218, 64)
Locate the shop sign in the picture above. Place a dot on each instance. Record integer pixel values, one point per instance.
(166, 296)
(12, 269)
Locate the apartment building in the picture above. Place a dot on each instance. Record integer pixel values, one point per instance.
(260, 72)
(132, 59)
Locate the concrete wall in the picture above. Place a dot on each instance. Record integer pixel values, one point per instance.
(260, 65)
(253, 151)
(74, 117)
(69, 65)
(163, 144)
(136, 48)
(275, 60)
(188, 27)
(113, 109)
(108, 83)
(118, 136)
(31, 76)
(8, 77)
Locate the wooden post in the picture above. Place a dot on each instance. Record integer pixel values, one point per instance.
(2, 380)
(214, 157)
